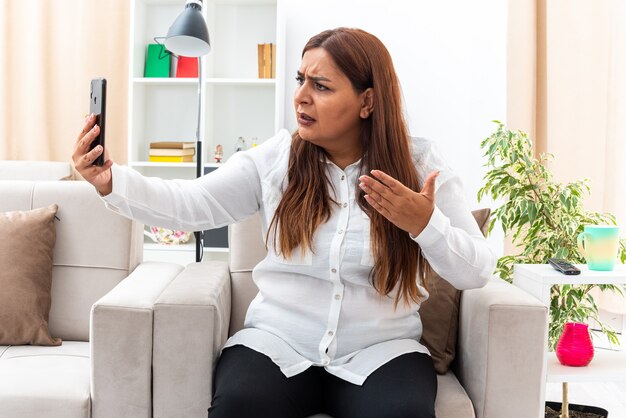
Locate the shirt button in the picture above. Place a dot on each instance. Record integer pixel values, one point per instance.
(345, 205)
(337, 297)
(325, 362)
(330, 333)
(334, 270)
(340, 231)
(343, 177)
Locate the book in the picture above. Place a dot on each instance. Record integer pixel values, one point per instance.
(171, 152)
(187, 67)
(273, 64)
(171, 159)
(172, 144)
(267, 60)
(157, 61)
(261, 60)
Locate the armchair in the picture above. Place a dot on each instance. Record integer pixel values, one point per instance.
(102, 299)
(497, 371)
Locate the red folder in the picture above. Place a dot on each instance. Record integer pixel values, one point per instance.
(187, 67)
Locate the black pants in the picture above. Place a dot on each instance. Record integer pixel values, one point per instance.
(249, 385)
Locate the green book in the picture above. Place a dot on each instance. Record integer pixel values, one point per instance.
(157, 61)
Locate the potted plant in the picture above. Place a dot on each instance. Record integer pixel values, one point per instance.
(543, 218)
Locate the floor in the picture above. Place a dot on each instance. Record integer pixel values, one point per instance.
(610, 396)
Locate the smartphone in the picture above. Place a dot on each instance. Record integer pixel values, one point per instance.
(98, 106)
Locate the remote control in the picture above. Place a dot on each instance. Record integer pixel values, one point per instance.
(563, 266)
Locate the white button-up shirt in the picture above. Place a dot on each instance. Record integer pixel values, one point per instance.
(318, 308)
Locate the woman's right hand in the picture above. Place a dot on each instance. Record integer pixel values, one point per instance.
(100, 177)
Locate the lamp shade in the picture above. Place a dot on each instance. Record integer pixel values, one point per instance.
(189, 36)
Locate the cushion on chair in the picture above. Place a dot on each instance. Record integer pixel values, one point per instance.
(440, 313)
(51, 382)
(27, 241)
(452, 400)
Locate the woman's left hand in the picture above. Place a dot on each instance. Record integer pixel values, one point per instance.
(406, 209)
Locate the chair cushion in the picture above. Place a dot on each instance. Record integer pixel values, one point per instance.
(27, 241)
(440, 313)
(452, 400)
(51, 382)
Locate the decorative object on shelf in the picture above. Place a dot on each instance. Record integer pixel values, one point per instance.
(267, 60)
(240, 145)
(189, 36)
(599, 244)
(167, 236)
(157, 61)
(544, 218)
(255, 141)
(187, 67)
(575, 347)
(219, 153)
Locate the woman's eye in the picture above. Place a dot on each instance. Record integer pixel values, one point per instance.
(299, 79)
(320, 87)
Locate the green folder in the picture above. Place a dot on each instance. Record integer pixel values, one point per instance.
(157, 61)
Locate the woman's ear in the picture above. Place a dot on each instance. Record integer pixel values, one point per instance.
(367, 103)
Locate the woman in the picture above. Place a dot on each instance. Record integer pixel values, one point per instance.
(352, 207)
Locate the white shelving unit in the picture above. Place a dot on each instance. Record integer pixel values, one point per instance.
(538, 279)
(236, 102)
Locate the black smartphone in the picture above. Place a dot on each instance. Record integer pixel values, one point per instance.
(98, 106)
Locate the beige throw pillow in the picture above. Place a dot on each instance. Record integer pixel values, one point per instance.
(440, 313)
(26, 244)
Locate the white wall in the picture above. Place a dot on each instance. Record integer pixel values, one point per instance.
(450, 56)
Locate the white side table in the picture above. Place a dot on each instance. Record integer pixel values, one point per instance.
(538, 279)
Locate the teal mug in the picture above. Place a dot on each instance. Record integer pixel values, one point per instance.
(599, 245)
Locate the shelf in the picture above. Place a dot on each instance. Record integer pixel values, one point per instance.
(176, 165)
(153, 246)
(187, 247)
(165, 81)
(149, 164)
(606, 366)
(242, 81)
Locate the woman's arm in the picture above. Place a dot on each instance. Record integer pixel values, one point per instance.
(452, 242)
(224, 196)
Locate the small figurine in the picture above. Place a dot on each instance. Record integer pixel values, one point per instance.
(240, 145)
(219, 153)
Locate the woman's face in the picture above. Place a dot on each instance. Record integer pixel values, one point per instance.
(328, 109)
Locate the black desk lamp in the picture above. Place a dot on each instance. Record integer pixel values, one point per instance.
(188, 36)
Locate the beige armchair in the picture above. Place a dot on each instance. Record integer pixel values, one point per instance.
(497, 372)
(102, 299)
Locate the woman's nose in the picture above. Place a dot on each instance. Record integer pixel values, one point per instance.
(302, 95)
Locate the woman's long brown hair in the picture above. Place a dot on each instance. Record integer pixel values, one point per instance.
(306, 202)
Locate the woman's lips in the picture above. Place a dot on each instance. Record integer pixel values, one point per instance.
(305, 120)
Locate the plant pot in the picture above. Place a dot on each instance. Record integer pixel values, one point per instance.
(573, 408)
(575, 347)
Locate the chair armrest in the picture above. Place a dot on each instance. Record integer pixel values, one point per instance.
(190, 328)
(120, 338)
(502, 350)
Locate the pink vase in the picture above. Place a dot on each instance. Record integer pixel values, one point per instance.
(574, 347)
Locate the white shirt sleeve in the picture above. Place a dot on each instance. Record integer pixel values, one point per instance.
(224, 196)
(452, 242)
